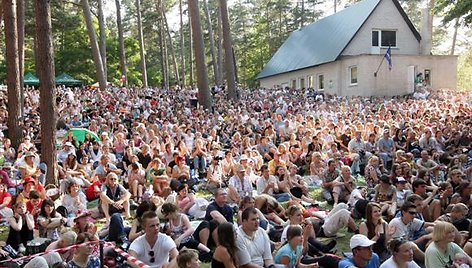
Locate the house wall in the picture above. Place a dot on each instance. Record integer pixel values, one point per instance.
(387, 83)
(385, 17)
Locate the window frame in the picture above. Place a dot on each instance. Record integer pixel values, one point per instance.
(379, 38)
(320, 82)
(351, 83)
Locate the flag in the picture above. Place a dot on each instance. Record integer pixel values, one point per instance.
(388, 57)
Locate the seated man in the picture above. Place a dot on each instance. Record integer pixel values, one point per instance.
(406, 226)
(153, 248)
(271, 209)
(253, 242)
(337, 218)
(432, 206)
(105, 167)
(114, 197)
(239, 185)
(362, 255)
(343, 185)
(267, 184)
(328, 177)
(217, 212)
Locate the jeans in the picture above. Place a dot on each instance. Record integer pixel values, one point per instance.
(282, 197)
(199, 162)
(117, 230)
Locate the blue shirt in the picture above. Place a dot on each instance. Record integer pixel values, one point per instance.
(373, 263)
(293, 255)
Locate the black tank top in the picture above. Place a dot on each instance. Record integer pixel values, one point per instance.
(217, 264)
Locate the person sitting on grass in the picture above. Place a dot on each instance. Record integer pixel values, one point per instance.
(402, 254)
(226, 253)
(406, 226)
(114, 197)
(362, 254)
(291, 252)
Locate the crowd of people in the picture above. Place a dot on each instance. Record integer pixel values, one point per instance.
(269, 180)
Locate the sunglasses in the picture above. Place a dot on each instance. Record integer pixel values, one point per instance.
(412, 212)
(151, 253)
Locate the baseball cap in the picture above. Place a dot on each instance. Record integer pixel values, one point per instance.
(359, 240)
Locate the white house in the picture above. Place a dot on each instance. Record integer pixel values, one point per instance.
(341, 54)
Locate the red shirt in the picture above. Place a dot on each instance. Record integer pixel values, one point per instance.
(30, 207)
(4, 195)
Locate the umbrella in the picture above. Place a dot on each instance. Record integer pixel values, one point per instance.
(79, 134)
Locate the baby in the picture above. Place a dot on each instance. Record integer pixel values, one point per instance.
(461, 260)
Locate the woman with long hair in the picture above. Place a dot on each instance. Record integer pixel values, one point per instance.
(49, 221)
(376, 229)
(179, 228)
(74, 200)
(225, 255)
(21, 226)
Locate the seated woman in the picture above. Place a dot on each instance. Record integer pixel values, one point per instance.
(376, 229)
(179, 228)
(49, 221)
(402, 254)
(21, 226)
(83, 256)
(225, 253)
(386, 196)
(155, 175)
(29, 168)
(188, 204)
(72, 169)
(290, 254)
(136, 180)
(74, 200)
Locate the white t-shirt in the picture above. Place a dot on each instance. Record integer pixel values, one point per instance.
(389, 263)
(254, 250)
(164, 244)
(262, 183)
(405, 231)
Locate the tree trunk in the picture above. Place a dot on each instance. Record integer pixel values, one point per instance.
(182, 47)
(45, 60)
(426, 43)
(13, 78)
(121, 43)
(216, 72)
(229, 60)
(93, 43)
(103, 38)
(20, 11)
(204, 95)
(454, 36)
(191, 41)
(141, 44)
(220, 46)
(162, 45)
(171, 46)
(302, 17)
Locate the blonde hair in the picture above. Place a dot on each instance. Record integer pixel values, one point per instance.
(441, 229)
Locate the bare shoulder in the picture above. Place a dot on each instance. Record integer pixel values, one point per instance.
(221, 254)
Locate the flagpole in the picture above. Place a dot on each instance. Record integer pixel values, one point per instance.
(378, 68)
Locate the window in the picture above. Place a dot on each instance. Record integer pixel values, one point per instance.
(310, 81)
(321, 81)
(427, 77)
(294, 84)
(375, 38)
(353, 75)
(302, 83)
(384, 38)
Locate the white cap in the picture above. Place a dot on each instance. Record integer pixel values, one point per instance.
(68, 144)
(360, 240)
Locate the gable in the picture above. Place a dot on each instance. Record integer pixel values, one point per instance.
(390, 16)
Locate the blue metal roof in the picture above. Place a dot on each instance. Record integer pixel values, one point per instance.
(320, 42)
